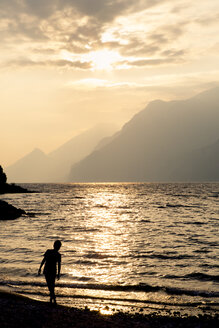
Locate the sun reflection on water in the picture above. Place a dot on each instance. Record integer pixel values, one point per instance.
(106, 310)
(106, 244)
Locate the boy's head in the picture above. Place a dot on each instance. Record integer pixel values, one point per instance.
(57, 245)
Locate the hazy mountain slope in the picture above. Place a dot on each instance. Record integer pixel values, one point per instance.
(31, 168)
(149, 146)
(200, 165)
(77, 148)
(54, 167)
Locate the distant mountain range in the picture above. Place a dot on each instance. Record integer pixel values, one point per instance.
(167, 141)
(55, 166)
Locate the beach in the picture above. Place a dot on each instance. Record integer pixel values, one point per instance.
(19, 311)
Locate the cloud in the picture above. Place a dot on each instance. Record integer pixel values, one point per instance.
(72, 23)
(75, 64)
(25, 62)
(40, 19)
(152, 43)
(76, 26)
(150, 62)
(103, 10)
(143, 32)
(92, 83)
(208, 20)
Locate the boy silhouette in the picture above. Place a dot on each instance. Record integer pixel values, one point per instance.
(51, 259)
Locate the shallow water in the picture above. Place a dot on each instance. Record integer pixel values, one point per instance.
(125, 245)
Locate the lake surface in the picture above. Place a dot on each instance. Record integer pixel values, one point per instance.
(125, 246)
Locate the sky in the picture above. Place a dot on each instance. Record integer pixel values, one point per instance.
(67, 65)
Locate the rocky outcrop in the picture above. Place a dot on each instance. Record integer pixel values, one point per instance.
(13, 189)
(9, 212)
(6, 188)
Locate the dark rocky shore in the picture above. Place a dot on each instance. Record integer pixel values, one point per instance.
(19, 311)
(7, 211)
(6, 188)
(12, 189)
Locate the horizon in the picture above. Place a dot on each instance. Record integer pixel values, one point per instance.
(68, 66)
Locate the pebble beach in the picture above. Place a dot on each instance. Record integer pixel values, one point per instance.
(19, 311)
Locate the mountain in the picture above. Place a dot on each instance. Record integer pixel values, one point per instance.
(200, 165)
(55, 166)
(77, 148)
(158, 142)
(31, 168)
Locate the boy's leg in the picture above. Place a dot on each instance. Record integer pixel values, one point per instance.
(51, 286)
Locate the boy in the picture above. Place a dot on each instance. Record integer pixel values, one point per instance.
(52, 257)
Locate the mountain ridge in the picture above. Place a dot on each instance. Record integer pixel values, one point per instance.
(37, 166)
(149, 146)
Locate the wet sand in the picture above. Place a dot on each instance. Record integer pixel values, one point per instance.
(19, 311)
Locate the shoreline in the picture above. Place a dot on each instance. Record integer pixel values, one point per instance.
(21, 311)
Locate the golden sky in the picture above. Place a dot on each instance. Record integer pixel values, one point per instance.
(67, 65)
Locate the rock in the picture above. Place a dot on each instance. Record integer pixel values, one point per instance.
(9, 212)
(6, 188)
(3, 177)
(12, 189)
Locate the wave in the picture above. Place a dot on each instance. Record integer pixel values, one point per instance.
(177, 206)
(33, 214)
(82, 262)
(196, 223)
(195, 276)
(202, 250)
(124, 207)
(183, 195)
(165, 256)
(202, 276)
(101, 206)
(95, 255)
(118, 288)
(203, 242)
(214, 194)
(82, 229)
(132, 301)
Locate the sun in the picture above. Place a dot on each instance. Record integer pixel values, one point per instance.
(103, 59)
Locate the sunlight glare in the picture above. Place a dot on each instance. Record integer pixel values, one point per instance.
(106, 311)
(103, 59)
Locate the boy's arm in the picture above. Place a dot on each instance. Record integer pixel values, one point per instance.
(43, 261)
(59, 268)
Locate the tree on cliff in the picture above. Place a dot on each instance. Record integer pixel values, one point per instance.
(9, 188)
(7, 211)
(3, 177)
